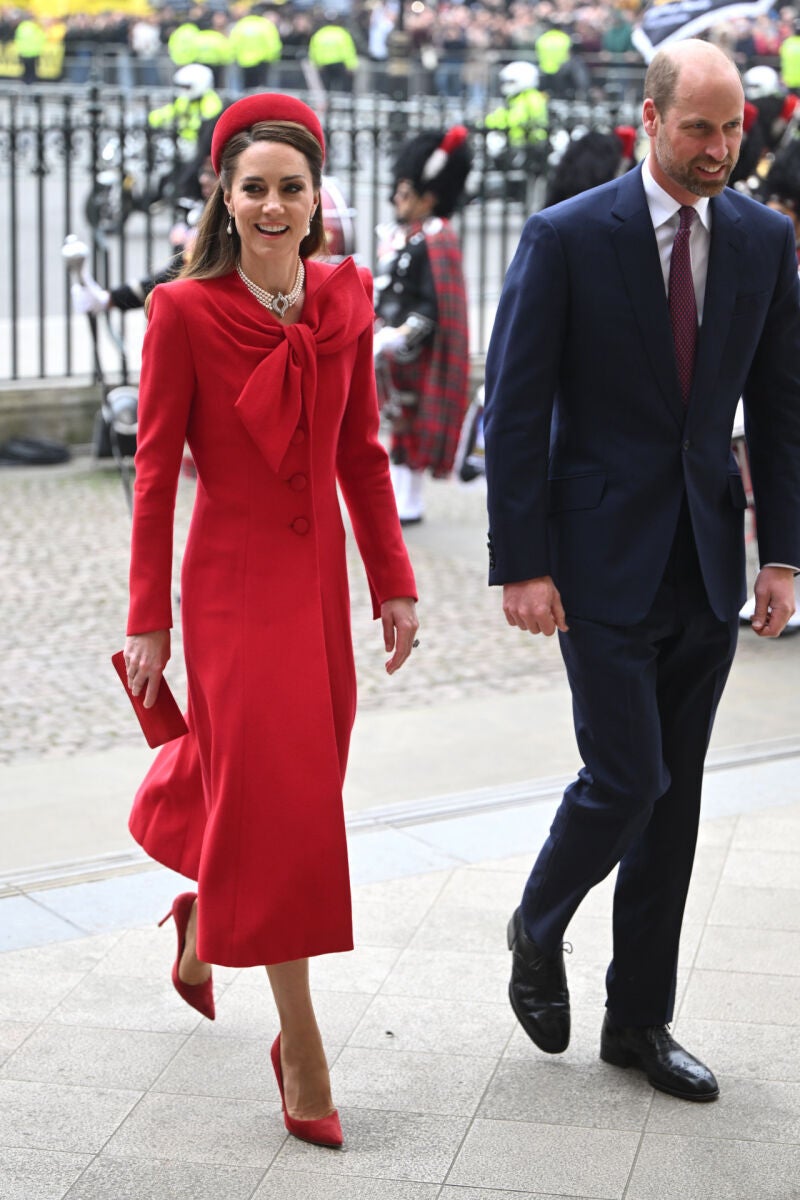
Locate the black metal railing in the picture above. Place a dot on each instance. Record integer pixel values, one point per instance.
(85, 161)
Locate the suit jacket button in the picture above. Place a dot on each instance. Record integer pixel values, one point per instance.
(297, 437)
(298, 482)
(301, 525)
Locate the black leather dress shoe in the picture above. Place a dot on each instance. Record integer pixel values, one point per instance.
(538, 990)
(667, 1065)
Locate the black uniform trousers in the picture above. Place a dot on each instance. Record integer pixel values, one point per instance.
(644, 698)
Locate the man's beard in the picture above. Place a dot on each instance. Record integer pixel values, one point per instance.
(684, 175)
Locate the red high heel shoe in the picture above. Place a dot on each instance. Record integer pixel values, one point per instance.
(322, 1131)
(198, 995)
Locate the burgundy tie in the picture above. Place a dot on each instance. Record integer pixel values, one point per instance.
(682, 303)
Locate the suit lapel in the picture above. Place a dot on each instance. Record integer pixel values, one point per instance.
(724, 265)
(635, 245)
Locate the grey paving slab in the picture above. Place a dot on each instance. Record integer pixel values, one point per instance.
(34, 994)
(297, 1185)
(48, 1116)
(747, 1110)
(12, 1035)
(249, 1012)
(238, 1068)
(80, 954)
(756, 907)
(564, 1093)
(750, 786)
(453, 927)
(382, 1145)
(473, 838)
(739, 996)
(486, 888)
(777, 828)
(362, 970)
(404, 1081)
(717, 831)
(92, 1057)
(448, 973)
(386, 853)
(118, 903)
(144, 1179)
(434, 1026)
(762, 868)
(750, 950)
(388, 913)
(565, 1160)
(462, 1193)
(124, 1002)
(752, 1051)
(38, 1174)
(24, 922)
(200, 1129)
(682, 1168)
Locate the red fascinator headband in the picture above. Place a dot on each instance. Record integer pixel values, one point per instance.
(266, 106)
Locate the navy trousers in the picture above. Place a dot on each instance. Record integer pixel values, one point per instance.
(644, 698)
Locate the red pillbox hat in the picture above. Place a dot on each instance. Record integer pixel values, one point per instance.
(266, 106)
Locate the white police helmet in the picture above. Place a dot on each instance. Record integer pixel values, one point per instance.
(518, 77)
(195, 80)
(759, 82)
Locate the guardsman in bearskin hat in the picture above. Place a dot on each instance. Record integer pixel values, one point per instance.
(422, 335)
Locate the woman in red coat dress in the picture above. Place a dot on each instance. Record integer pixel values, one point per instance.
(261, 359)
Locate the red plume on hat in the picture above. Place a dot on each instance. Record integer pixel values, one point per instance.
(266, 106)
(454, 138)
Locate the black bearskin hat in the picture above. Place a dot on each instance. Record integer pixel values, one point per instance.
(783, 180)
(438, 163)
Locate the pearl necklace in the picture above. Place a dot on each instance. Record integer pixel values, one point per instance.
(281, 302)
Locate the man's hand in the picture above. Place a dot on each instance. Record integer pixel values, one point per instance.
(535, 605)
(774, 593)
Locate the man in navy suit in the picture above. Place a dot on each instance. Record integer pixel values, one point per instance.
(632, 319)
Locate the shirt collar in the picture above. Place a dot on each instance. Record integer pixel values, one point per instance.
(662, 206)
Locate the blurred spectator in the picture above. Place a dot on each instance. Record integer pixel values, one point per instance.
(194, 105)
(255, 43)
(29, 40)
(790, 61)
(332, 51)
(617, 35)
(524, 116)
(145, 40)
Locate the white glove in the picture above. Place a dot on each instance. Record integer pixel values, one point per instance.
(89, 297)
(496, 143)
(387, 339)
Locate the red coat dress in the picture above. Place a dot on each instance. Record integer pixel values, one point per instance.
(250, 802)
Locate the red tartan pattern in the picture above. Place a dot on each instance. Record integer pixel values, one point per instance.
(440, 376)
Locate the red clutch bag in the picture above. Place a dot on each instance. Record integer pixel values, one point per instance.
(164, 721)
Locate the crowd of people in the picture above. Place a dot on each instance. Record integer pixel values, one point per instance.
(451, 43)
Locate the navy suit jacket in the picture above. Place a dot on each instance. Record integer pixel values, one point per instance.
(589, 447)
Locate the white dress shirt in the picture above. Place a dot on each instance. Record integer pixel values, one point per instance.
(664, 215)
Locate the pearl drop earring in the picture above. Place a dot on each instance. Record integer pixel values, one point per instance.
(229, 226)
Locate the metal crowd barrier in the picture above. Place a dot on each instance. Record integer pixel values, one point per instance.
(84, 161)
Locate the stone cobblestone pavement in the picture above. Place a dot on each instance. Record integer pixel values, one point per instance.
(63, 593)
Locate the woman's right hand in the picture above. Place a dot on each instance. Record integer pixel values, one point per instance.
(146, 655)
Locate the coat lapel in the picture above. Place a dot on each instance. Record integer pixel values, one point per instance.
(724, 265)
(635, 244)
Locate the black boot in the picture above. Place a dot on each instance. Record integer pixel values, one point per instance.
(538, 990)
